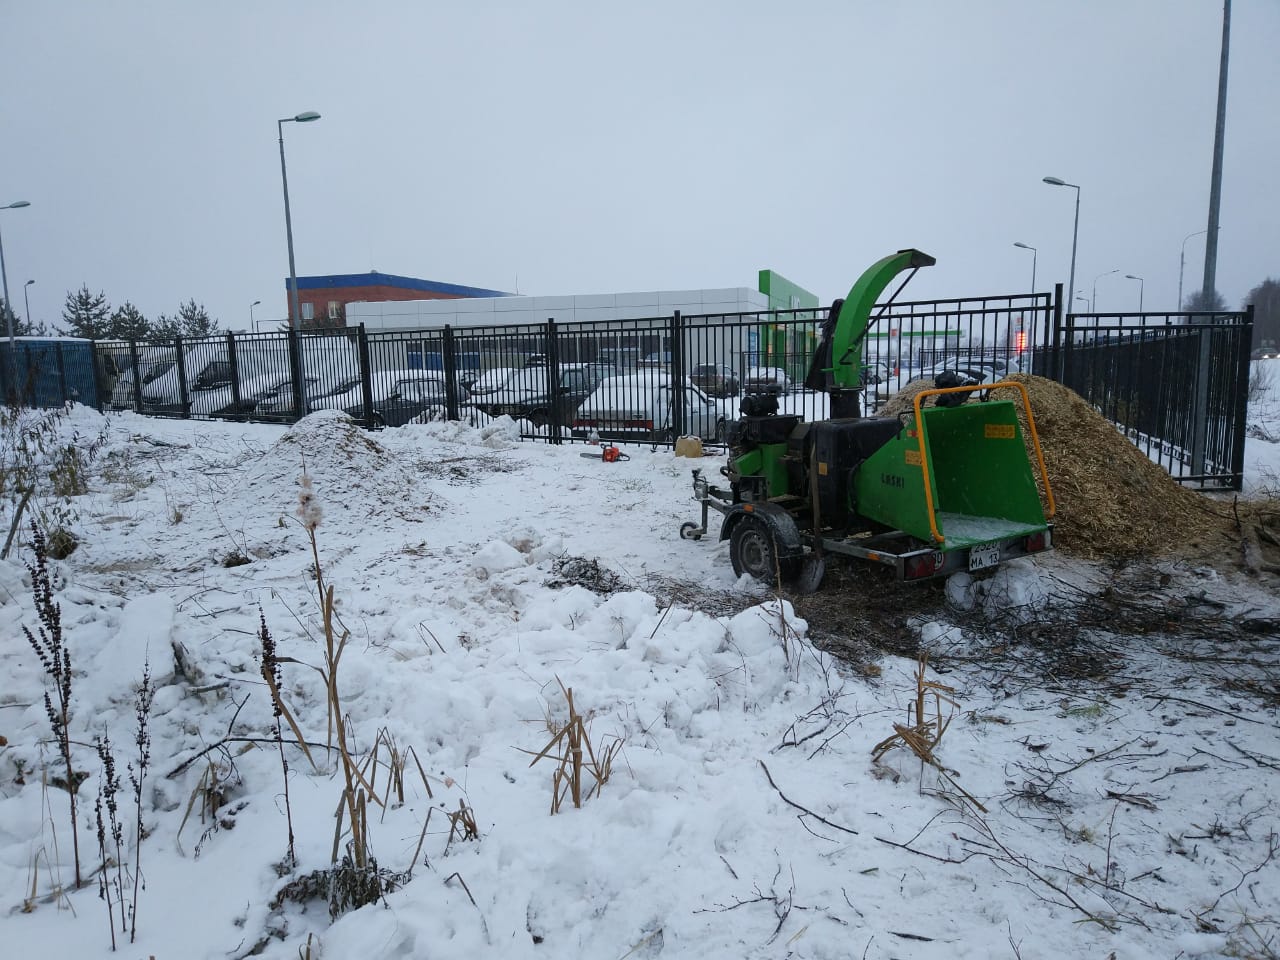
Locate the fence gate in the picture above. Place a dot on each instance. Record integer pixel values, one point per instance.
(1176, 384)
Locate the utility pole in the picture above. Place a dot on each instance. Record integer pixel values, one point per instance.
(1215, 183)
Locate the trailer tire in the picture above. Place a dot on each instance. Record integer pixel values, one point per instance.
(753, 550)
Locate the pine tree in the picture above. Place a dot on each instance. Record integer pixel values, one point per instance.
(21, 328)
(86, 314)
(128, 323)
(165, 327)
(1265, 298)
(195, 320)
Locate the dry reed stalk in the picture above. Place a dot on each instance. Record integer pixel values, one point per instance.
(923, 736)
(574, 738)
(206, 791)
(293, 724)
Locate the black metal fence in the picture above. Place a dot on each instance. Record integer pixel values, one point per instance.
(1176, 384)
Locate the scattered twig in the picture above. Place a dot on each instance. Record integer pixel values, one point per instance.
(805, 810)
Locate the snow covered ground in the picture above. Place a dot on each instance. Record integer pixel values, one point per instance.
(1100, 792)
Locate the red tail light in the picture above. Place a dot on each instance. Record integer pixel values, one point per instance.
(923, 565)
(1038, 542)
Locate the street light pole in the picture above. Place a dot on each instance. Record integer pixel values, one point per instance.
(1034, 255)
(253, 325)
(1142, 286)
(1075, 231)
(1093, 304)
(1182, 263)
(27, 301)
(8, 309)
(295, 314)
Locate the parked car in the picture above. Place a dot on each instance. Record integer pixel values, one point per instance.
(639, 407)
(410, 397)
(399, 396)
(279, 402)
(207, 366)
(772, 380)
(716, 380)
(153, 362)
(527, 393)
(974, 369)
(221, 401)
(490, 382)
(875, 371)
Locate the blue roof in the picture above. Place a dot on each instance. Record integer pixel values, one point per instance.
(335, 280)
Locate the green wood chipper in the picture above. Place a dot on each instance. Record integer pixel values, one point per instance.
(932, 491)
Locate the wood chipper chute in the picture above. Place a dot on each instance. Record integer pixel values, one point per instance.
(940, 488)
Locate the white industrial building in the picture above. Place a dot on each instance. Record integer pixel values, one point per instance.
(582, 308)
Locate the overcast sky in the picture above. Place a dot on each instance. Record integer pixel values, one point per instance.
(592, 147)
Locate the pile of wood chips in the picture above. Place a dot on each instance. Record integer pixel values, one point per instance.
(1113, 502)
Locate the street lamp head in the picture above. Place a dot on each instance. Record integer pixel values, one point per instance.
(16, 205)
(1023, 245)
(1130, 276)
(28, 283)
(1055, 182)
(306, 116)
(255, 303)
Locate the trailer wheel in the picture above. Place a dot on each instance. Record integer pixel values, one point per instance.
(753, 550)
(688, 531)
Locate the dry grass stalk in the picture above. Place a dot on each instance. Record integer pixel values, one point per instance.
(395, 763)
(462, 824)
(576, 752)
(209, 793)
(922, 735)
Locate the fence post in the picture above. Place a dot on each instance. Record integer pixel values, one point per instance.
(1245, 334)
(366, 376)
(677, 376)
(553, 380)
(1200, 414)
(295, 371)
(183, 395)
(235, 373)
(450, 374)
(62, 373)
(137, 376)
(1054, 371)
(1066, 364)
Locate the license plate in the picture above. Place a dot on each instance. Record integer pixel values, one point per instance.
(981, 558)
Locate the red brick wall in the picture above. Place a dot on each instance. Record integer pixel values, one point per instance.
(320, 299)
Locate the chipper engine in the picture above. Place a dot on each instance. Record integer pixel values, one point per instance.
(932, 491)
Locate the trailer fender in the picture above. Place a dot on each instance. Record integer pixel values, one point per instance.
(781, 524)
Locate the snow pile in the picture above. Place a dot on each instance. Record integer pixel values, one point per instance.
(743, 815)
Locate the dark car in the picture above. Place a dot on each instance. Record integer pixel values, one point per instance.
(716, 380)
(527, 394)
(768, 380)
(396, 401)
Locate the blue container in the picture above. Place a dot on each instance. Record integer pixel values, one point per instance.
(49, 371)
